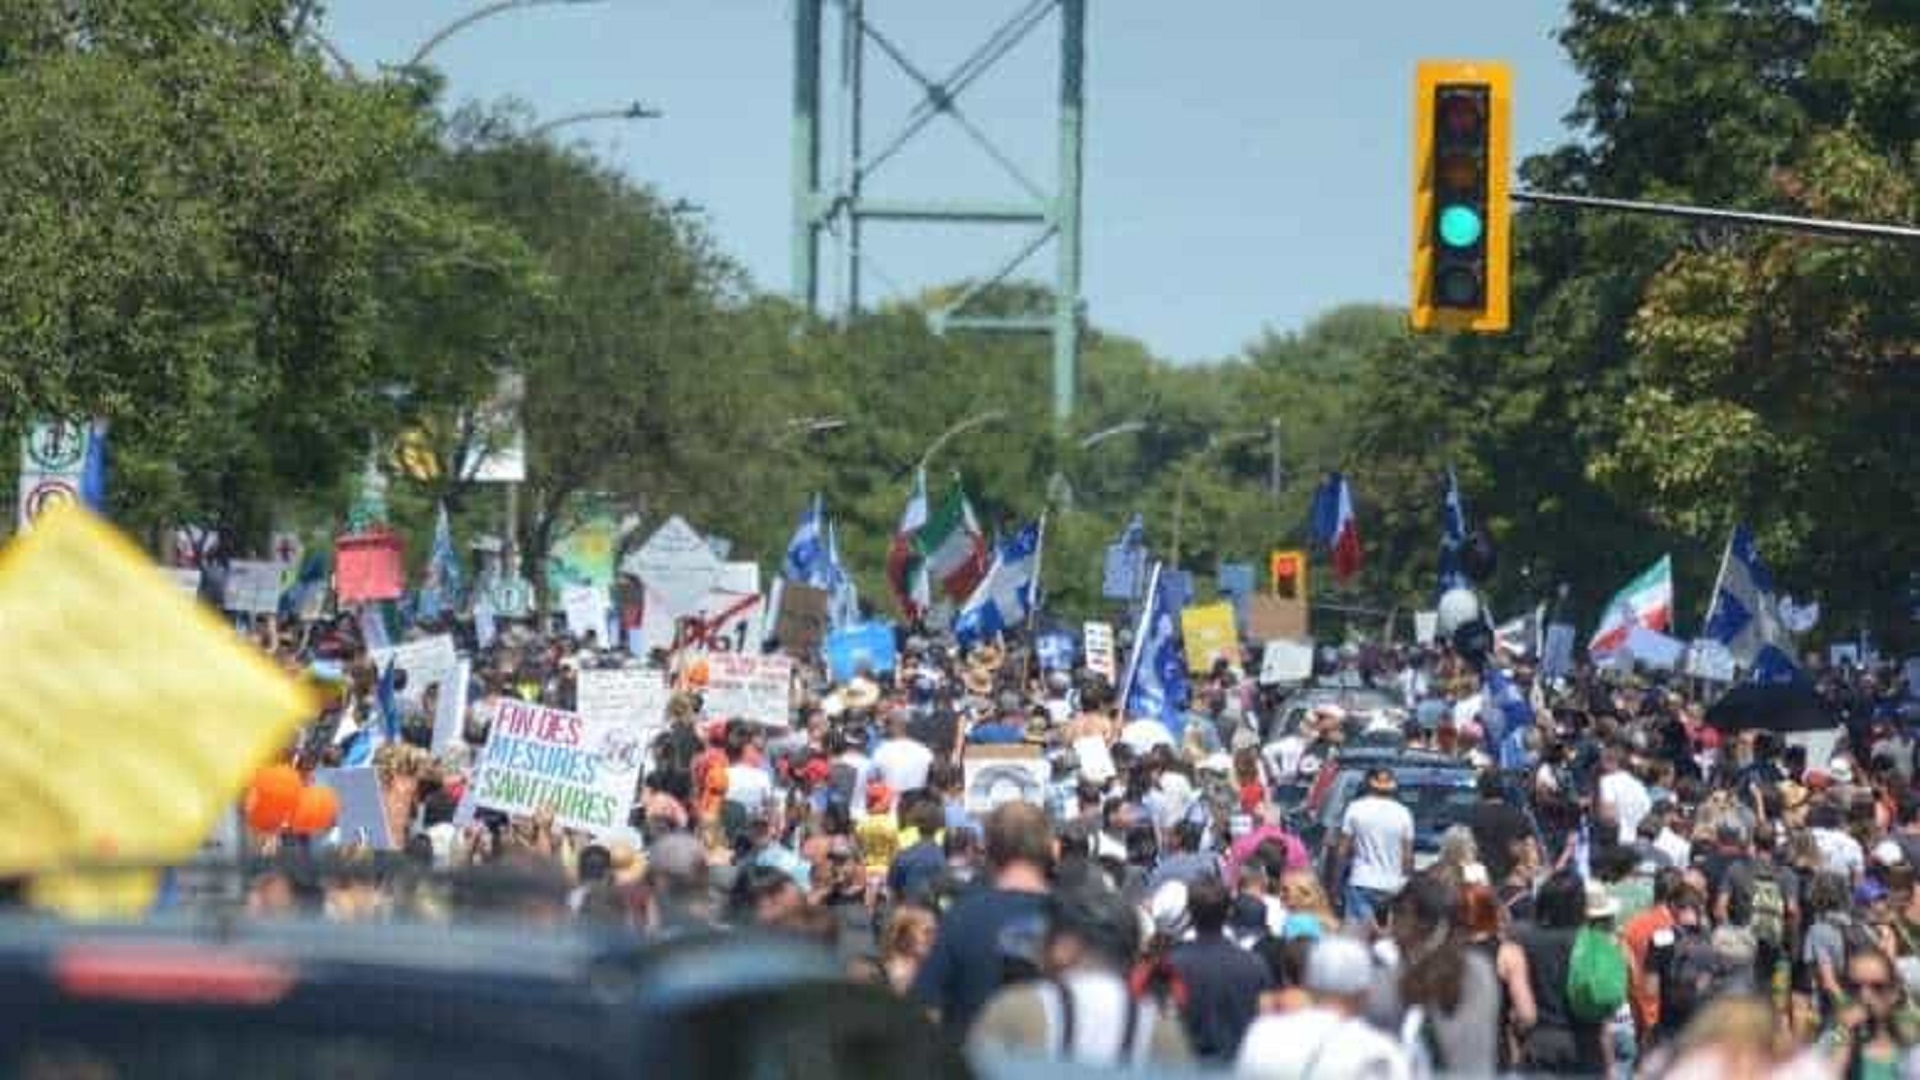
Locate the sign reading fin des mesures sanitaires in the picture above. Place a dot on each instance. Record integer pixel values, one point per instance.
(584, 770)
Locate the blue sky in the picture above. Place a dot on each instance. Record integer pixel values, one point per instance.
(1246, 160)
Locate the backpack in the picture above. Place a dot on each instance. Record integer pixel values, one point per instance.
(1767, 908)
(1596, 976)
(1690, 979)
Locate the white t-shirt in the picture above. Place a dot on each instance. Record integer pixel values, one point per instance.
(1320, 1043)
(1381, 829)
(1839, 853)
(1145, 734)
(748, 786)
(902, 763)
(1630, 800)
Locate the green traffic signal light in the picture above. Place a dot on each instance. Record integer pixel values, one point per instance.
(1460, 226)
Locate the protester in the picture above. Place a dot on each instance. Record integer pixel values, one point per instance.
(1330, 1037)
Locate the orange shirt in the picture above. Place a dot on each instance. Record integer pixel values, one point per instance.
(1638, 938)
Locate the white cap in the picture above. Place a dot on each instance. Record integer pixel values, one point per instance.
(1339, 966)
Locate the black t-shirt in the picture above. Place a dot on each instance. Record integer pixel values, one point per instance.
(938, 731)
(1497, 827)
(1224, 983)
(971, 953)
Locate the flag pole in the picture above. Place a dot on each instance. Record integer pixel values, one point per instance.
(1039, 555)
(1719, 579)
(1139, 638)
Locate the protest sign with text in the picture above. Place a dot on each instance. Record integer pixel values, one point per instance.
(752, 688)
(538, 758)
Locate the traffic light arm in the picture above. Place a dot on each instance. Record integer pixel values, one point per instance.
(1828, 227)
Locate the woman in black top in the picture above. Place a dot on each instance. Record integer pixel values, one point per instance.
(1558, 1043)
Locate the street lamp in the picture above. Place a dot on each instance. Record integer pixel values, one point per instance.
(499, 7)
(991, 416)
(801, 426)
(635, 111)
(1214, 444)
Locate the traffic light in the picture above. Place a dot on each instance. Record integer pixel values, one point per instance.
(1288, 571)
(1460, 211)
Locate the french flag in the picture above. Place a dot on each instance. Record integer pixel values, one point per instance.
(1335, 526)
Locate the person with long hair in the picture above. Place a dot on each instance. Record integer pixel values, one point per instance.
(1481, 922)
(905, 944)
(1448, 994)
(1306, 901)
(1558, 1042)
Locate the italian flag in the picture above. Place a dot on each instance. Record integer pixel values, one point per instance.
(936, 547)
(1647, 601)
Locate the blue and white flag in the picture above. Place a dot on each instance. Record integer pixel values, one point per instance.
(843, 596)
(1507, 715)
(1005, 597)
(808, 561)
(1057, 650)
(1156, 682)
(1126, 563)
(440, 592)
(1453, 537)
(1744, 613)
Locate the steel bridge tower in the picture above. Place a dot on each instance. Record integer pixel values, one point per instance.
(840, 209)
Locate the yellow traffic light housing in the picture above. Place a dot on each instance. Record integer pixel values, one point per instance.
(1287, 572)
(1461, 218)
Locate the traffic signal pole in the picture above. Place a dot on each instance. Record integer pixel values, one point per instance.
(1827, 227)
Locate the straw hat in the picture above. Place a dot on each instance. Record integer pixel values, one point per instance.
(861, 693)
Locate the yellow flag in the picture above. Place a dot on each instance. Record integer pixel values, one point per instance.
(132, 717)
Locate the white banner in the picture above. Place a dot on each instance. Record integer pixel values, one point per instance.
(585, 771)
(752, 688)
(636, 697)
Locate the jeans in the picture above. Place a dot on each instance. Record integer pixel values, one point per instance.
(1363, 905)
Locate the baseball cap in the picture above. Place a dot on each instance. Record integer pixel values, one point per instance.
(1339, 966)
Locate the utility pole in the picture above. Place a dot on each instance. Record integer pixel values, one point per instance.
(1273, 477)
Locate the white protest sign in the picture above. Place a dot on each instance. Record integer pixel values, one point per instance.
(450, 708)
(1001, 774)
(363, 813)
(253, 586)
(1286, 662)
(752, 688)
(1097, 638)
(635, 697)
(1843, 655)
(1096, 760)
(677, 566)
(732, 611)
(585, 771)
(184, 578)
(585, 607)
(1709, 659)
(1426, 624)
(428, 662)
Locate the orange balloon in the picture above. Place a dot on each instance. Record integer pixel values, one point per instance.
(317, 810)
(272, 797)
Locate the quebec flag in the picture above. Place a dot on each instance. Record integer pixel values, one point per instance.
(1156, 684)
(1744, 614)
(1005, 597)
(1504, 706)
(1453, 536)
(808, 561)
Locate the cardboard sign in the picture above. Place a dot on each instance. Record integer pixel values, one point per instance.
(585, 607)
(1426, 626)
(802, 623)
(584, 770)
(1000, 774)
(1210, 634)
(1270, 618)
(1098, 640)
(363, 813)
(753, 688)
(677, 566)
(367, 568)
(635, 697)
(253, 586)
(1286, 662)
(865, 647)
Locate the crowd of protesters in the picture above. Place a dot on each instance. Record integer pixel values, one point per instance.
(1644, 893)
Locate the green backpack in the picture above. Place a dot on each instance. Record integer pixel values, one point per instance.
(1596, 977)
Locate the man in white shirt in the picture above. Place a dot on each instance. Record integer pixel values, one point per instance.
(1623, 798)
(1376, 846)
(1839, 852)
(900, 759)
(1329, 1038)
